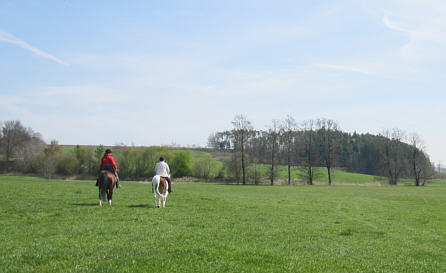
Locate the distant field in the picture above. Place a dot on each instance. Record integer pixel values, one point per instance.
(56, 226)
(339, 176)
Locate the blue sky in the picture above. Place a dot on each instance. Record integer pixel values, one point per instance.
(164, 72)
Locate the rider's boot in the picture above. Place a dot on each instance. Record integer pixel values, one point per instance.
(117, 180)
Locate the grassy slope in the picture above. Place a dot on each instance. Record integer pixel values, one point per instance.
(50, 226)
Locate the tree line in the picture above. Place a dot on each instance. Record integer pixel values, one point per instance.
(307, 146)
(313, 144)
(23, 150)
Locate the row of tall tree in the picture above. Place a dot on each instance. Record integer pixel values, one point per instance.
(317, 143)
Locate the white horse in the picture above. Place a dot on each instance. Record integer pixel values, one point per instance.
(160, 191)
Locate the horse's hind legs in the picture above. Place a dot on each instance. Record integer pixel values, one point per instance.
(154, 200)
(110, 196)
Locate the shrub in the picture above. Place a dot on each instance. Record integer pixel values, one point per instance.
(206, 167)
(66, 164)
(181, 163)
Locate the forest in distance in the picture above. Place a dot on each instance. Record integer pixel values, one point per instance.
(243, 154)
(320, 143)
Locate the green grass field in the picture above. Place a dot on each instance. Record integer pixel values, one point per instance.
(339, 177)
(56, 226)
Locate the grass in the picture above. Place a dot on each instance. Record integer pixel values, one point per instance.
(56, 226)
(338, 176)
(197, 154)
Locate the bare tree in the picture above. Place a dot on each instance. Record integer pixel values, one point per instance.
(421, 167)
(428, 170)
(48, 160)
(393, 166)
(220, 141)
(14, 137)
(241, 134)
(416, 157)
(28, 151)
(256, 153)
(308, 153)
(289, 128)
(328, 132)
(273, 139)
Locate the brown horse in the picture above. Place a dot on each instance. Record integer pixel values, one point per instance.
(107, 181)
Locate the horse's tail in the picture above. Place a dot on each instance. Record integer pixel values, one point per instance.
(157, 188)
(104, 177)
(164, 186)
(156, 184)
(103, 186)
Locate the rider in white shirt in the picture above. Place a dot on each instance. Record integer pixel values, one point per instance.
(162, 169)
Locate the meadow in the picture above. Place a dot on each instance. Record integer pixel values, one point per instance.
(57, 226)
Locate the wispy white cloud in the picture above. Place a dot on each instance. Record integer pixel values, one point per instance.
(425, 26)
(79, 95)
(418, 43)
(11, 103)
(395, 25)
(188, 79)
(9, 38)
(45, 100)
(350, 68)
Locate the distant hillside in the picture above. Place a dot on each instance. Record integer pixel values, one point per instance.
(357, 153)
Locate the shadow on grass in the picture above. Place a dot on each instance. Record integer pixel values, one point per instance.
(86, 204)
(140, 206)
(249, 185)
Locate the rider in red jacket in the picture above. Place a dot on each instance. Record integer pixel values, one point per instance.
(109, 163)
